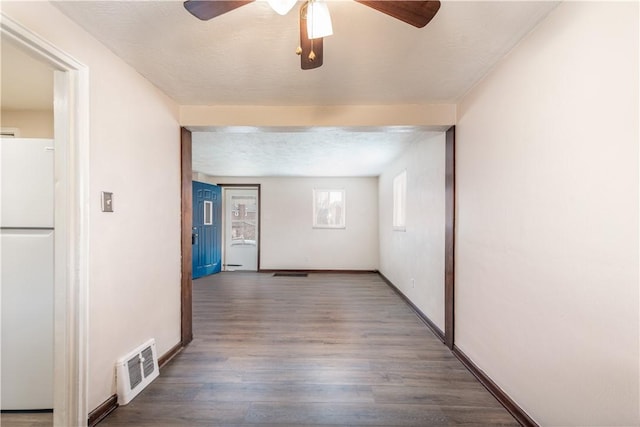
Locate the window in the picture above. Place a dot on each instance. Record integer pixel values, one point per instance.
(244, 220)
(329, 209)
(208, 212)
(400, 201)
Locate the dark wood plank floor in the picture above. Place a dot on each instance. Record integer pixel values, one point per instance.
(326, 350)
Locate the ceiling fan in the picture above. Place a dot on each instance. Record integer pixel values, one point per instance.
(315, 23)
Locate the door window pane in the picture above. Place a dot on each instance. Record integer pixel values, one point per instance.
(208, 212)
(244, 215)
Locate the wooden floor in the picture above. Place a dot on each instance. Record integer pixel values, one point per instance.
(326, 350)
(26, 419)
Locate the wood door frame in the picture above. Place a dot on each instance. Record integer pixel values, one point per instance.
(449, 246)
(186, 282)
(248, 186)
(187, 197)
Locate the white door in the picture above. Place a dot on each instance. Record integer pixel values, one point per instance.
(241, 229)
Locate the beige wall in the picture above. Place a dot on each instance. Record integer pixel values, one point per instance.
(32, 124)
(288, 239)
(547, 237)
(418, 252)
(547, 229)
(134, 253)
(437, 117)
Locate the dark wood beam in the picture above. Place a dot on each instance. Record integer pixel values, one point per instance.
(186, 333)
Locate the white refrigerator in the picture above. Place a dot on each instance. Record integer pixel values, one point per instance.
(27, 276)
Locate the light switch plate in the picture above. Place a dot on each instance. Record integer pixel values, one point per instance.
(107, 201)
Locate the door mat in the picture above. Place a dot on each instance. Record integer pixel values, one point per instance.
(290, 274)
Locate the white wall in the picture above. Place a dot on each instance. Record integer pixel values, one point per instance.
(134, 283)
(418, 252)
(547, 226)
(289, 240)
(32, 123)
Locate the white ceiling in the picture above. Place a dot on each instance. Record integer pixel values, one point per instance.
(301, 152)
(246, 57)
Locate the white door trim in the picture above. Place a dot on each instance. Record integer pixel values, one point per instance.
(71, 118)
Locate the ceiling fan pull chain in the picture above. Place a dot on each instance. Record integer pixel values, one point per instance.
(299, 48)
(312, 54)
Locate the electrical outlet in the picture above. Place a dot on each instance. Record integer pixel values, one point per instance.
(413, 283)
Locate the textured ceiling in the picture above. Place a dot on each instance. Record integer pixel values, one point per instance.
(317, 152)
(246, 57)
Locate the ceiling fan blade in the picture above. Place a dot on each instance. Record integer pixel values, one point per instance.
(308, 45)
(416, 13)
(205, 10)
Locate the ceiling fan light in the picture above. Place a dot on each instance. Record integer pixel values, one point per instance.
(282, 7)
(318, 20)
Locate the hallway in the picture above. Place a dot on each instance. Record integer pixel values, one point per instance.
(327, 349)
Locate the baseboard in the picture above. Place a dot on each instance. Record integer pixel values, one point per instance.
(110, 405)
(290, 270)
(173, 351)
(516, 411)
(101, 412)
(437, 331)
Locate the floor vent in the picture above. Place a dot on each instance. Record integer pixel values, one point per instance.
(135, 371)
(290, 274)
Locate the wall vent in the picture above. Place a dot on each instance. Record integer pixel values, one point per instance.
(135, 371)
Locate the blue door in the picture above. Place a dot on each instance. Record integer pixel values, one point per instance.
(206, 235)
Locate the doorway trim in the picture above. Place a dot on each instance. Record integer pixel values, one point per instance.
(449, 245)
(186, 282)
(248, 186)
(71, 136)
